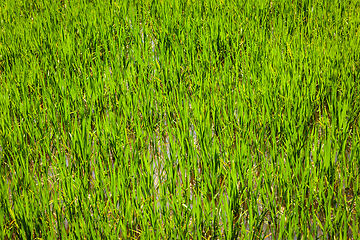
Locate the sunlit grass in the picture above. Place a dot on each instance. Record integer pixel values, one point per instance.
(179, 119)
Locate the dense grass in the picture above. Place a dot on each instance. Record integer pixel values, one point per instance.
(179, 119)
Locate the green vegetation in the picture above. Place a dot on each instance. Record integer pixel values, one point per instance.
(191, 119)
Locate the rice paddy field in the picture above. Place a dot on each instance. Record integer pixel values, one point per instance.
(191, 119)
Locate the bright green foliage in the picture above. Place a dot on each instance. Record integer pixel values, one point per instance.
(191, 119)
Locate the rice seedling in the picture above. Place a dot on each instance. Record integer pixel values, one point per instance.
(179, 119)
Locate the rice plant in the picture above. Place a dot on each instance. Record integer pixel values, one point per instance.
(212, 119)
